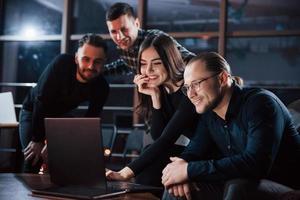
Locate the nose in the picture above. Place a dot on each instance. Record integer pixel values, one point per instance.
(120, 35)
(149, 69)
(191, 93)
(91, 65)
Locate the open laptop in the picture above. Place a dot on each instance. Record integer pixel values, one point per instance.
(7, 107)
(76, 161)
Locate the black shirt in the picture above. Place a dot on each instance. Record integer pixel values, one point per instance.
(58, 91)
(257, 140)
(177, 116)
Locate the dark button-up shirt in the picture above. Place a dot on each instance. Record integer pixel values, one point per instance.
(257, 139)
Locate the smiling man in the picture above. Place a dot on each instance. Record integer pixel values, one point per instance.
(65, 83)
(246, 145)
(124, 29)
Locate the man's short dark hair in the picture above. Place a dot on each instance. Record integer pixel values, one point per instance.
(94, 40)
(119, 9)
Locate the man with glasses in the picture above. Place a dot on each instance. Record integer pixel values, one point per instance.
(246, 145)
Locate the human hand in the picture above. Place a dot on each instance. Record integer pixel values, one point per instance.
(123, 175)
(175, 172)
(142, 81)
(33, 151)
(180, 190)
(44, 154)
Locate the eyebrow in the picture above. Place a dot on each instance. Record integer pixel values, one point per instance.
(155, 59)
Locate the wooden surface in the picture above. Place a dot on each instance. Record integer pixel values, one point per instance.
(18, 186)
(9, 125)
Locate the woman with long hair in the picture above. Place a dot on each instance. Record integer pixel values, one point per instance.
(171, 114)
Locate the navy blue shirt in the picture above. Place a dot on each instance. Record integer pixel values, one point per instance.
(256, 140)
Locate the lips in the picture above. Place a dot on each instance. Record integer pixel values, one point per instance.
(124, 42)
(197, 101)
(152, 77)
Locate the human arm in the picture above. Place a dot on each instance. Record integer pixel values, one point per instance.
(264, 126)
(46, 92)
(142, 81)
(98, 98)
(118, 66)
(182, 190)
(182, 120)
(123, 175)
(33, 151)
(42, 95)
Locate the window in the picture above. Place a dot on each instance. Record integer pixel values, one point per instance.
(263, 15)
(183, 16)
(32, 18)
(272, 60)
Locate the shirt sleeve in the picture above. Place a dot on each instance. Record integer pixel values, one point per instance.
(158, 123)
(265, 126)
(200, 146)
(46, 89)
(98, 99)
(184, 117)
(117, 67)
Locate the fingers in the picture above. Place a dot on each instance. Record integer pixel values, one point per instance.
(166, 180)
(187, 191)
(112, 175)
(29, 156)
(28, 147)
(44, 154)
(175, 159)
(109, 174)
(35, 160)
(175, 191)
(138, 79)
(180, 191)
(28, 150)
(170, 190)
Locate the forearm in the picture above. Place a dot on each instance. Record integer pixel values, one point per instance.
(156, 100)
(38, 130)
(158, 123)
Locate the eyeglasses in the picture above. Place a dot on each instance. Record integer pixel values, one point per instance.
(196, 85)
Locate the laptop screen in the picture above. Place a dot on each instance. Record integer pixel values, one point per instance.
(7, 114)
(75, 152)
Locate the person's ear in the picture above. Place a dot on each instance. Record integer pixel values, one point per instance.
(137, 23)
(76, 58)
(223, 78)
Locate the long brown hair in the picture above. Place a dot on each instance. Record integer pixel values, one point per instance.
(172, 61)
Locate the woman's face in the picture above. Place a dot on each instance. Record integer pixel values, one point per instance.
(152, 66)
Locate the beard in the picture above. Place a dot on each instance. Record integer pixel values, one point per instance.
(93, 74)
(210, 105)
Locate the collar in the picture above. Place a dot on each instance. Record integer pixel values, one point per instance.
(235, 101)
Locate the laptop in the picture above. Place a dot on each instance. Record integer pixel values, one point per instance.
(76, 161)
(7, 107)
